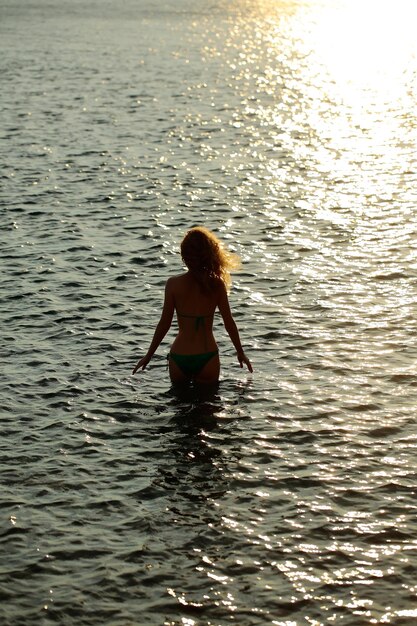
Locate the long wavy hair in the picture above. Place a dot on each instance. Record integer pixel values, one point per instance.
(207, 259)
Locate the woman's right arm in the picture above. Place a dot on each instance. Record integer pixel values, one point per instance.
(161, 329)
(231, 328)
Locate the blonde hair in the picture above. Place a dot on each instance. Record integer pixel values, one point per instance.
(207, 259)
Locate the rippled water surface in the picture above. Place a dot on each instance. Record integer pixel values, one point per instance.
(287, 497)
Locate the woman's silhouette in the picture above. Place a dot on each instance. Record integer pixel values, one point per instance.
(194, 296)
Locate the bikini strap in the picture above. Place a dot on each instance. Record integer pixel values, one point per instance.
(199, 319)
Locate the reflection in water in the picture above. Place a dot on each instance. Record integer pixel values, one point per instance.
(200, 446)
(203, 415)
(204, 448)
(194, 463)
(195, 407)
(192, 449)
(289, 125)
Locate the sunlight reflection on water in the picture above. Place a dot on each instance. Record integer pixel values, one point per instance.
(287, 497)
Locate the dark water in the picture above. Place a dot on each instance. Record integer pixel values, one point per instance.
(287, 497)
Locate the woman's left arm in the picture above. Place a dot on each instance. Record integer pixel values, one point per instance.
(162, 327)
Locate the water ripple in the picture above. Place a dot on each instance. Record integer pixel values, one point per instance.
(286, 498)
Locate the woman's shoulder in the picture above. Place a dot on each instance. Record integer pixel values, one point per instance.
(218, 286)
(175, 282)
(185, 281)
(177, 278)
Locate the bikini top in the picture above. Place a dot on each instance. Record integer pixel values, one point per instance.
(199, 319)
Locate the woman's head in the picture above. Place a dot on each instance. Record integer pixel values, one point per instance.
(206, 258)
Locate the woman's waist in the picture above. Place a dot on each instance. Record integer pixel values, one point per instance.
(184, 344)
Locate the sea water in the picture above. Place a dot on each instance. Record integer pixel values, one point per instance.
(286, 497)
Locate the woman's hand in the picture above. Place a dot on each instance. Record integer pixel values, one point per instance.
(243, 359)
(141, 364)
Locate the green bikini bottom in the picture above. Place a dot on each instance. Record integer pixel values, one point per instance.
(192, 364)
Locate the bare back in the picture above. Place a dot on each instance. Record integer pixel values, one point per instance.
(195, 311)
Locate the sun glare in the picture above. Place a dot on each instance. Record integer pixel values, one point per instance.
(358, 71)
(365, 44)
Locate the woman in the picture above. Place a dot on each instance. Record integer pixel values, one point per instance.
(195, 296)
